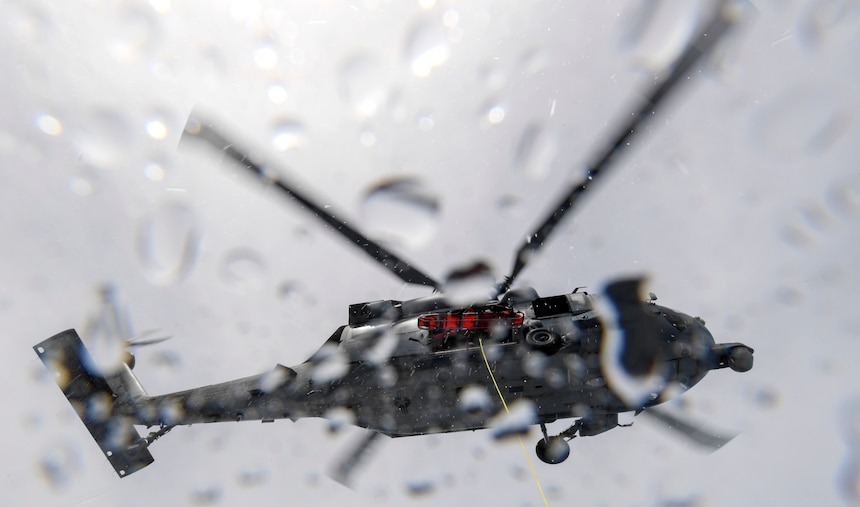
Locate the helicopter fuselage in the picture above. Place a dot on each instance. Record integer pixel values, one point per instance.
(421, 366)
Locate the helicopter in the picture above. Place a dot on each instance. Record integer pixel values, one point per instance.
(443, 362)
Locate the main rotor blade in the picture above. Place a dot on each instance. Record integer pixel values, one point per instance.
(702, 437)
(357, 456)
(404, 270)
(603, 160)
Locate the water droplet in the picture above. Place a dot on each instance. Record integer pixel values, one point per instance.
(420, 487)
(244, 270)
(49, 125)
(474, 399)
(495, 114)
(425, 122)
(830, 21)
(508, 204)
(381, 350)
(167, 244)
(533, 61)
(401, 211)
(277, 93)
(154, 171)
(27, 21)
(844, 197)
(136, 31)
(210, 62)
(265, 56)
(451, 18)
(471, 283)
(59, 465)
(156, 129)
(368, 139)
(160, 6)
(517, 421)
(288, 134)
(158, 125)
(206, 496)
(536, 151)
(104, 139)
(849, 475)
(330, 363)
(660, 30)
(274, 379)
(802, 121)
(426, 47)
(363, 83)
(338, 417)
(252, 477)
(81, 185)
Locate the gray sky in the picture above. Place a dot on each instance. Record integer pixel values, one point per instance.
(740, 205)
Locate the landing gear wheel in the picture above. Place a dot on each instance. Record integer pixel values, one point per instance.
(553, 450)
(544, 340)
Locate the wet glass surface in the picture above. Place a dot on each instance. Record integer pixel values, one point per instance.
(444, 130)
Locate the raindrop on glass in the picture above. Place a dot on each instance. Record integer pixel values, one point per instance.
(521, 415)
(26, 21)
(157, 125)
(830, 21)
(803, 122)
(167, 243)
(426, 47)
(49, 125)
(243, 269)
(206, 496)
(59, 465)
(81, 185)
(135, 33)
(160, 6)
(534, 61)
(420, 487)
(277, 93)
(474, 399)
(401, 211)
(252, 477)
(470, 283)
(495, 114)
(363, 83)
(265, 56)
(536, 151)
(367, 138)
(451, 18)
(154, 171)
(104, 139)
(659, 31)
(849, 474)
(288, 134)
(425, 122)
(210, 62)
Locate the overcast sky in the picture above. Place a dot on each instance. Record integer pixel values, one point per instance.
(740, 205)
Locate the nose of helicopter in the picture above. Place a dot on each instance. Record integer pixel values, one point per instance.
(694, 351)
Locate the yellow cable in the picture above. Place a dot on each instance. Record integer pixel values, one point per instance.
(522, 445)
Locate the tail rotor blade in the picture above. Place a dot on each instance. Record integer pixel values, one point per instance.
(146, 338)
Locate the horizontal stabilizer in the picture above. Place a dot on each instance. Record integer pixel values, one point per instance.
(94, 401)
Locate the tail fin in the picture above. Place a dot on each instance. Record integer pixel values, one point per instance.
(101, 402)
